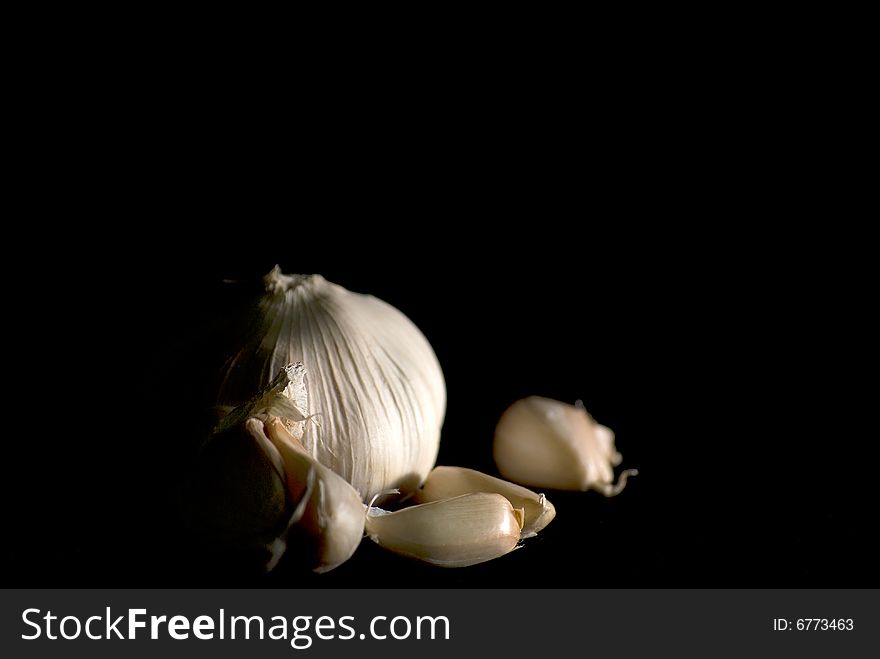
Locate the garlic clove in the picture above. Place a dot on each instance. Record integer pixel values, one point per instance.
(235, 499)
(329, 513)
(447, 482)
(456, 532)
(541, 442)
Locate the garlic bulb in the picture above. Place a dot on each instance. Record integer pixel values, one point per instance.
(447, 482)
(541, 442)
(376, 395)
(456, 532)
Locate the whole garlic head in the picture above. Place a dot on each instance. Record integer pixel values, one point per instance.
(376, 395)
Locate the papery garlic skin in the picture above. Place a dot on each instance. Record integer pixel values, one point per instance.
(456, 532)
(446, 482)
(376, 392)
(540, 442)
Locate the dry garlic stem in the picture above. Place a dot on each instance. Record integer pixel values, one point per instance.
(456, 532)
(329, 513)
(446, 482)
(545, 443)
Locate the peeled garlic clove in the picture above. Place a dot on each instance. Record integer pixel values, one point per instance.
(374, 382)
(545, 443)
(329, 512)
(456, 532)
(447, 482)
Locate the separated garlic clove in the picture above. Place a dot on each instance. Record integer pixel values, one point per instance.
(447, 482)
(328, 514)
(541, 442)
(457, 532)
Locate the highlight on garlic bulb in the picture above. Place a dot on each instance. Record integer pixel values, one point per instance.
(446, 482)
(541, 442)
(456, 532)
(376, 395)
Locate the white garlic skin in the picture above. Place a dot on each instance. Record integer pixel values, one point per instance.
(540, 442)
(374, 383)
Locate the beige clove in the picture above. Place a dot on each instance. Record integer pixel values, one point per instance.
(445, 482)
(456, 532)
(541, 442)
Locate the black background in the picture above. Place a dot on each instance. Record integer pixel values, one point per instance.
(606, 253)
(739, 484)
